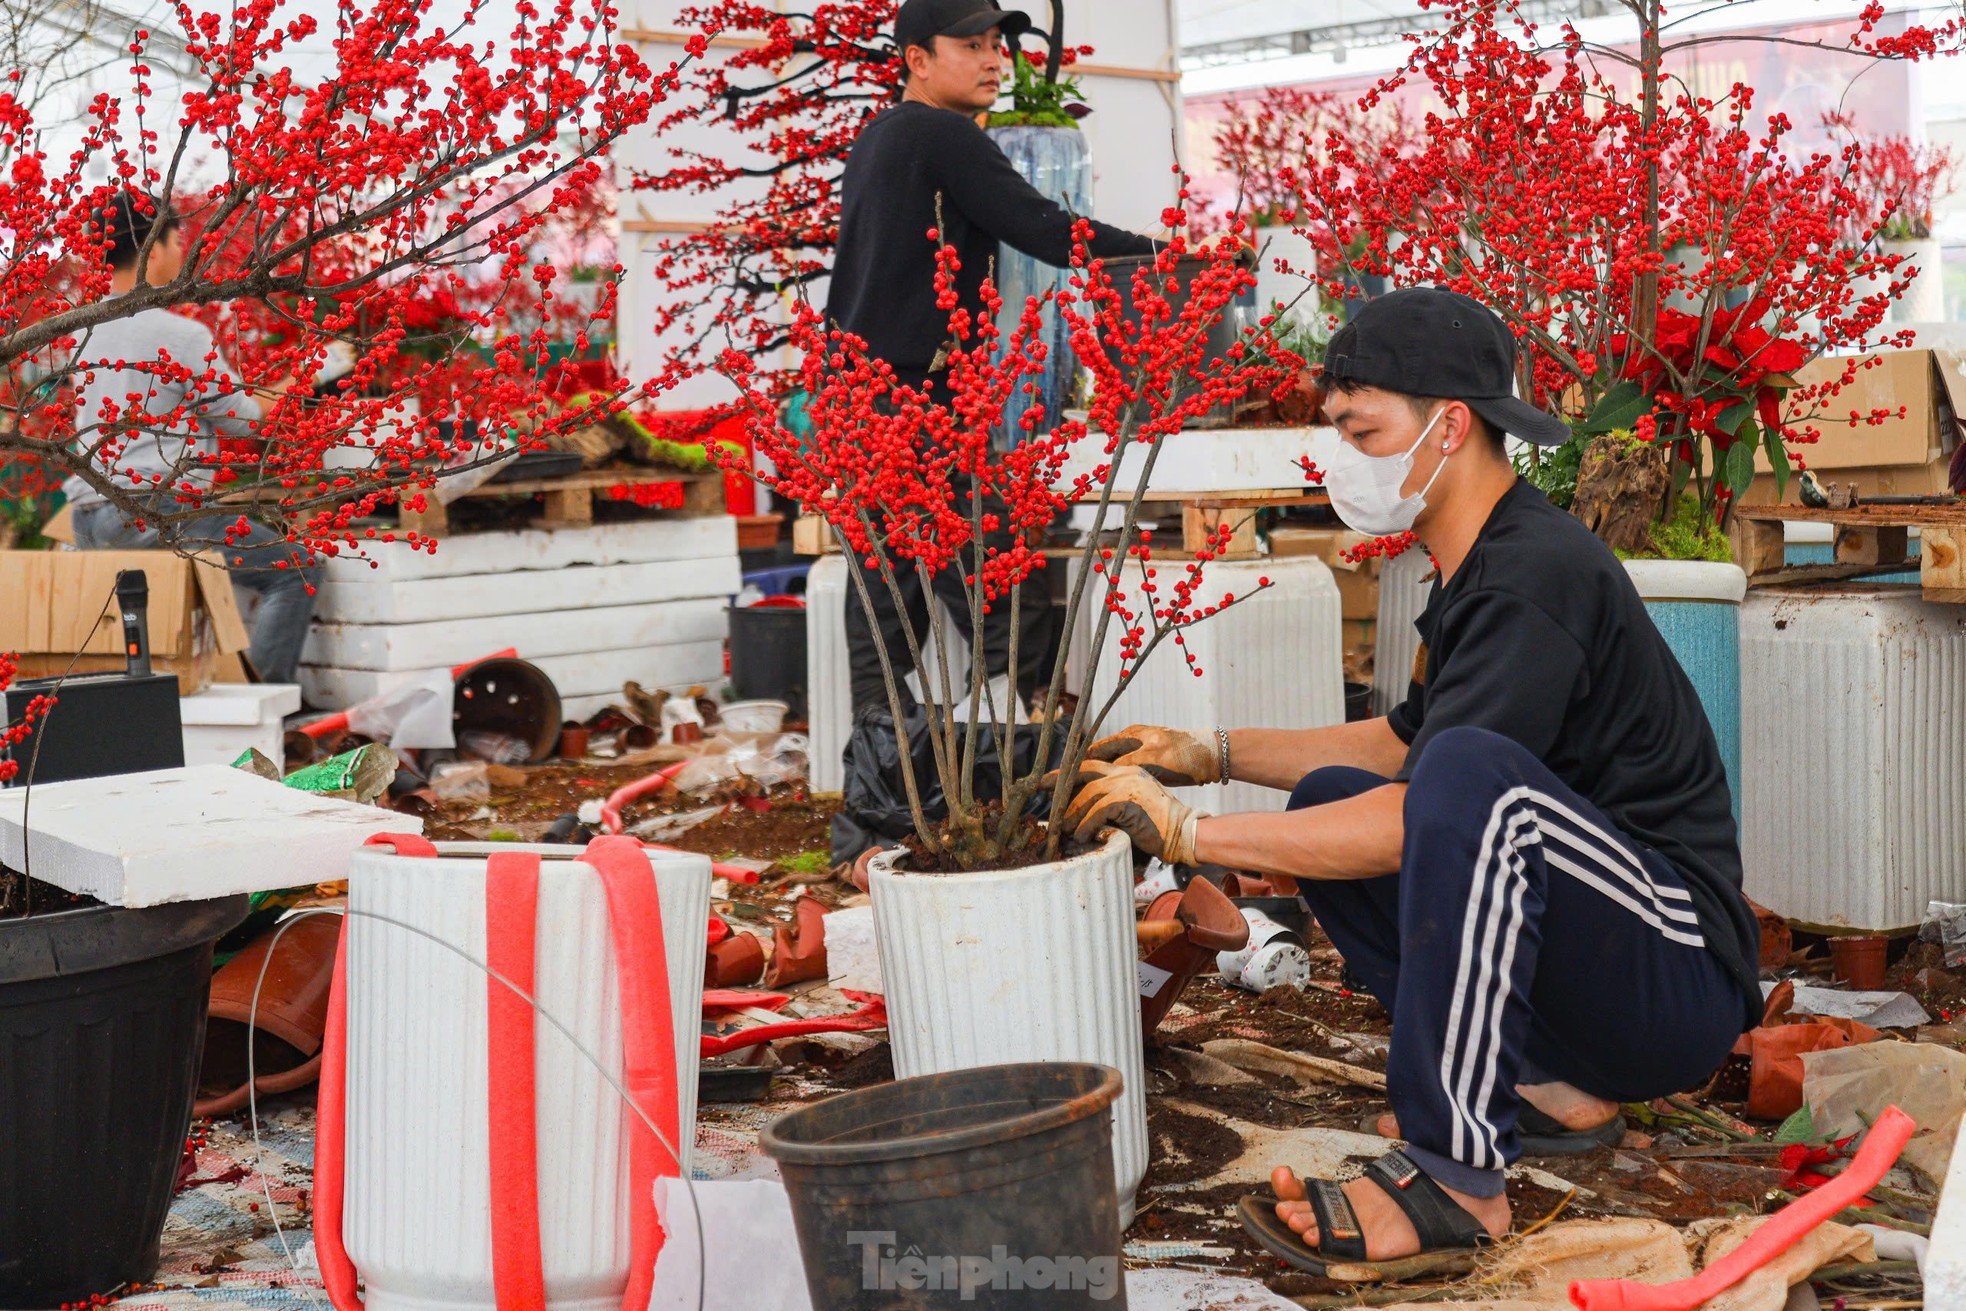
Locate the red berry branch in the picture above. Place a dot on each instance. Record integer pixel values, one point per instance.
(910, 481)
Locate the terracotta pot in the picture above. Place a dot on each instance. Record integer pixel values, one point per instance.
(1859, 961)
(573, 742)
(291, 1015)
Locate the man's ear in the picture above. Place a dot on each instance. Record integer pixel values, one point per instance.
(1457, 425)
(916, 60)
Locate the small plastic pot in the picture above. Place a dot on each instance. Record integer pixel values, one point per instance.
(573, 742)
(1859, 961)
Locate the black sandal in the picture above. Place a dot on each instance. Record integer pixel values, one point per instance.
(1445, 1229)
(1541, 1135)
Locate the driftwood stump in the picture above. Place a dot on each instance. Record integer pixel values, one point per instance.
(1620, 486)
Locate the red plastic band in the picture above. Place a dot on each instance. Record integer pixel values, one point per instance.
(404, 844)
(511, 931)
(331, 1140)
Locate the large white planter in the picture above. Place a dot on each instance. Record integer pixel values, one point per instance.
(1033, 964)
(829, 674)
(1295, 290)
(1696, 606)
(1273, 660)
(1854, 759)
(1405, 582)
(417, 1194)
(1924, 300)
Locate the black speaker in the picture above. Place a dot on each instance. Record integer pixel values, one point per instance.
(100, 724)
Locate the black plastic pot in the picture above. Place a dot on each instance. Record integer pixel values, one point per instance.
(1222, 333)
(1358, 702)
(982, 1188)
(102, 1019)
(768, 654)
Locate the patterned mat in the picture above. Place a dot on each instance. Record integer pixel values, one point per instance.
(221, 1243)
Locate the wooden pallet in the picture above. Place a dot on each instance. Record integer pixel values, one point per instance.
(569, 501)
(1203, 513)
(1870, 540)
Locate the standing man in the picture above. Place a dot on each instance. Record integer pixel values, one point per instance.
(155, 431)
(1532, 862)
(925, 164)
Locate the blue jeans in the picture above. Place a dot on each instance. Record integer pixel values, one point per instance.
(1524, 940)
(286, 603)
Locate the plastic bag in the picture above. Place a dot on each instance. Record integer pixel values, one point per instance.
(415, 716)
(461, 780)
(1945, 924)
(874, 807)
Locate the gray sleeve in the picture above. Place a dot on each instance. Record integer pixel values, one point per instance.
(221, 404)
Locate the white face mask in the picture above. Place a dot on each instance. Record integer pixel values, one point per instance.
(1365, 489)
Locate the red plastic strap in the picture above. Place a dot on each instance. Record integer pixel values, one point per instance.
(404, 844)
(872, 1014)
(331, 1139)
(648, 1046)
(511, 931)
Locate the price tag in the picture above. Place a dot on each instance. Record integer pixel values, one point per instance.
(1152, 979)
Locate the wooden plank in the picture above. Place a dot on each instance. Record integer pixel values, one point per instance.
(1199, 524)
(570, 507)
(1823, 573)
(1943, 514)
(705, 496)
(1872, 545)
(1759, 547)
(1279, 497)
(1942, 567)
(593, 480)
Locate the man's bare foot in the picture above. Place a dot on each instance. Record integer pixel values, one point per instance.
(1573, 1108)
(1389, 1235)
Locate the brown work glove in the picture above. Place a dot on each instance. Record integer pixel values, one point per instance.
(1131, 800)
(1177, 759)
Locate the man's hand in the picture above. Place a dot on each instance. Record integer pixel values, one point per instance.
(1131, 801)
(1175, 758)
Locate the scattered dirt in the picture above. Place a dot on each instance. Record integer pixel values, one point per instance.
(789, 827)
(21, 896)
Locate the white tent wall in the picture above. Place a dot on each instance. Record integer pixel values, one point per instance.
(1131, 82)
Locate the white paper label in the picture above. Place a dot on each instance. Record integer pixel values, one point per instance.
(1152, 979)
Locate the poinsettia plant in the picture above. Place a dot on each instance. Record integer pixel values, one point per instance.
(1666, 259)
(912, 484)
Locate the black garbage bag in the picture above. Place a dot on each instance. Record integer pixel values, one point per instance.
(874, 810)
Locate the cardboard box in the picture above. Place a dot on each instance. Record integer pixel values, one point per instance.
(58, 613)
(1903, 456)
(1358, 584)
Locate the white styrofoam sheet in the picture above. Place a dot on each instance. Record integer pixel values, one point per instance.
(541, 548)
(239, 704)
(1212, 460)
(183, 835)
(537, 592)
(1945, 1270)
(221, 744)
(589, 673)
(450, 642)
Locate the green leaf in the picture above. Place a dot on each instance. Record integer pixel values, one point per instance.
(1798, 1128)
(1738, 471)
(1778, 459)
(1735, 415)
(1621, 407)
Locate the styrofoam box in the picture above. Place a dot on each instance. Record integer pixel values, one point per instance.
(183, 834)
(228, 719)
(1853, 763)
(1211, 460)
(583, 675)
(1945, 1272)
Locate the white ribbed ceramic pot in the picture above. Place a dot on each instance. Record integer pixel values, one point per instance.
(417, 1194)
(1034, 964)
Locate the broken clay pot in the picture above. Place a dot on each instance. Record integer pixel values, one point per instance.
(736, 962)
(291, 1016)
(1210, 923)
(798, 950)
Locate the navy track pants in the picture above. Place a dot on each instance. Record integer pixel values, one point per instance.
(1524, 940)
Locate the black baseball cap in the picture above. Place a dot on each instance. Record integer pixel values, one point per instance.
(1427, 341)
(921, 21)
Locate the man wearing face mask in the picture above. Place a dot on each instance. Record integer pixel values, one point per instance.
(1532, 862)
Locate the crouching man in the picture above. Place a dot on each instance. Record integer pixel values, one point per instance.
(1532, 862)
